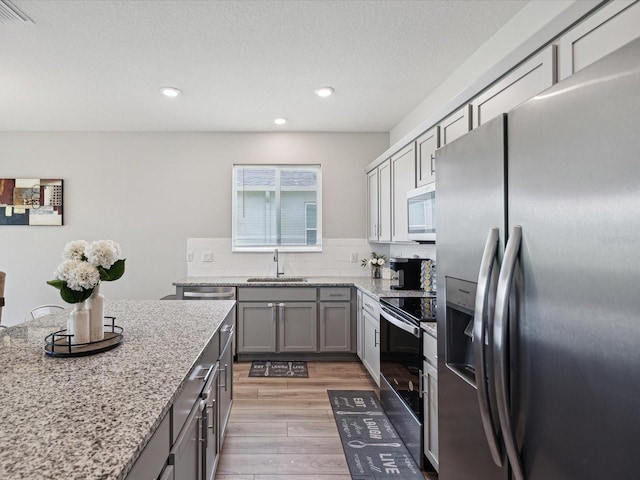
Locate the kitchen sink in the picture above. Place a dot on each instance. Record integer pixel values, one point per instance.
(276, 280)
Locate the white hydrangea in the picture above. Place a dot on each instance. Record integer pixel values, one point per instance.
(103, 253)
(78, 274)
(74, 250)
(381, 261)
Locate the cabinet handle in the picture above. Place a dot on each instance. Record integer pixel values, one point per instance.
(213, 417)
(205, 376)
(204, 422)
(369, 307)
(376, 334)
(225, 377)
(432, 159)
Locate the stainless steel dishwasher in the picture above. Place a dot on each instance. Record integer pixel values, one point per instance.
(209, 293)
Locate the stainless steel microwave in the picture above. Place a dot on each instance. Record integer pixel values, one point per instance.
(421, 213)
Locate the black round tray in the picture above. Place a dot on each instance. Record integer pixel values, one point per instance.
(57, 344)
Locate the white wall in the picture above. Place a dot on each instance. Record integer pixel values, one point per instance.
(152, 191)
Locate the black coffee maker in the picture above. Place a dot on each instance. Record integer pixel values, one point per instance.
(408, 273)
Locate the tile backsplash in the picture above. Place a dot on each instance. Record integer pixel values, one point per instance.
(213, 257)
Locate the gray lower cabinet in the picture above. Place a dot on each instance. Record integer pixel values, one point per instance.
(371, 344)
(187, 452)
(277, 320)
(336, 327)
(225, 389)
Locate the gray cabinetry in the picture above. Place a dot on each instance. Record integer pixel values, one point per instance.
(403, 179)
(256, 327)
(379, 203)
(277, 319)
(187, 443)
(224, 384)
(187, 455)
(532, 77)
(606, 30)
(335, 320)
(359, 322)
(426, 146)
(455, 125)
(371, 337)
(154, 457)
(430, 399)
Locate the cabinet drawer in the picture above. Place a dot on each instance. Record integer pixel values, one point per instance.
(340, 294)
(276, 294)
(193, 385)
(430, 347)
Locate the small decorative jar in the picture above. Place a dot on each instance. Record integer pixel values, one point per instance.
(78, 324)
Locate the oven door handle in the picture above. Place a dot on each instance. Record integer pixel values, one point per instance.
(401, 324)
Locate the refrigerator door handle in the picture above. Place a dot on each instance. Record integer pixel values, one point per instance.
(501, 350)
(481, 316)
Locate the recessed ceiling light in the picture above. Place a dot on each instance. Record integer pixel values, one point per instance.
(171, 92)
(280, 121)
(324, 91)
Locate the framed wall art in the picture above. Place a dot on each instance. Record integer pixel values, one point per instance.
(30, 201)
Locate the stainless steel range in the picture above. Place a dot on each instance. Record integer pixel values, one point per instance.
(401, 363)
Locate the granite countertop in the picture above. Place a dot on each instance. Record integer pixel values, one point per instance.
(376, 287)
(90, 417)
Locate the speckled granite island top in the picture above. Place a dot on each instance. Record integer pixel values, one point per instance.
(90, 417)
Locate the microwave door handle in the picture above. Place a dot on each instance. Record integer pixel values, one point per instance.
(501, 351)
(415, 331)
(488, 269)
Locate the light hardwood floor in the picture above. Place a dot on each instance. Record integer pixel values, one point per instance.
(283, 429)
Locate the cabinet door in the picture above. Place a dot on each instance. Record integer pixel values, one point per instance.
(210, 422)
(359, 321)
(455, 125)
(535, 75)
(225, 390)
(430, 398)
(384, 192)
(298, 327)
(372, 204)
(403, 175)
(426, 146)
(335, 326)
(371, 347)
(154, 456)
(611, 27)
(186, 454)
(256, 327)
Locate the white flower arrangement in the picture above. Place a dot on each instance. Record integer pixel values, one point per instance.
(375, 261)
(85, 265)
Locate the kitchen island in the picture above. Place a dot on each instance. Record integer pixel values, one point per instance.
(91, 417)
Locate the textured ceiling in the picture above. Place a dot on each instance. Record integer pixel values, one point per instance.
(98, 65)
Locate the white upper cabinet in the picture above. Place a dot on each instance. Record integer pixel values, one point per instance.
(532, 77)
(455, 125)
(426, 146)
(403, 177)
(379, 203)
(611, 27)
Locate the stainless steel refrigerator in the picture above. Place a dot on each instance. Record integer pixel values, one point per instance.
(538, 221)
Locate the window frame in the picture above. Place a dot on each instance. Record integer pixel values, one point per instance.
(283, 247)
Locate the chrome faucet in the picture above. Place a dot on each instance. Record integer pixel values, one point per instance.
(276, 259)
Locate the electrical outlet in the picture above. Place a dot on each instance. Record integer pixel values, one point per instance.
(207, 256)
(189, 256)
(354, 257)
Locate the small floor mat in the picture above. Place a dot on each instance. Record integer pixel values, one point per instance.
(270, 368)
(373, 449)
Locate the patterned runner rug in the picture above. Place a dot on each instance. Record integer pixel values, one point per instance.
(276, 368)
(372, 446)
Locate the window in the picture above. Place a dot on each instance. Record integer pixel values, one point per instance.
(277, 206)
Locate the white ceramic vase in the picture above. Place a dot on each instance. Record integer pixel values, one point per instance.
(78, 324)
(96, 314)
